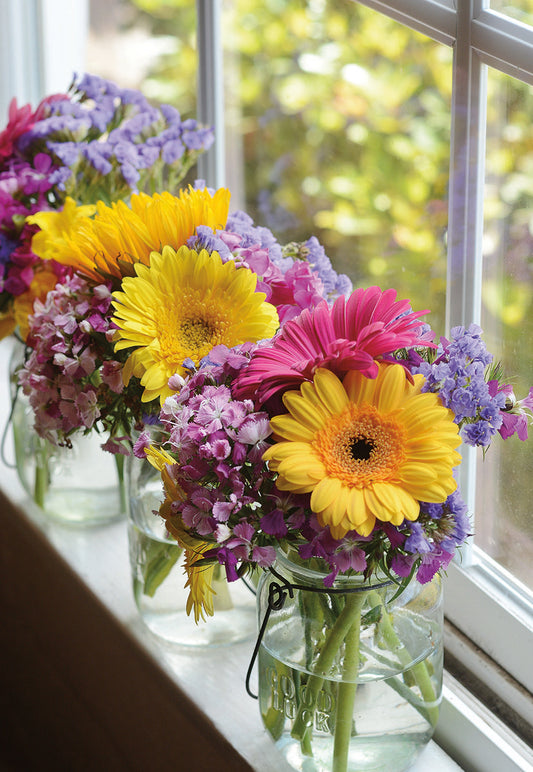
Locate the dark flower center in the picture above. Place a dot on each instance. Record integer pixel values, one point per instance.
(361, 449)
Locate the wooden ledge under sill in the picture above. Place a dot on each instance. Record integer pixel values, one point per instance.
(83, 684)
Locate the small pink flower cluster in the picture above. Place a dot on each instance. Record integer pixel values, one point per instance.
(69, 372)
(293, 277)
(291, 291)
(218, 443)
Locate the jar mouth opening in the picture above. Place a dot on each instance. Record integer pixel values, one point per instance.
(316, 575)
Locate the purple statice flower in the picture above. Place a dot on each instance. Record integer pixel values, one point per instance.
(429, 543)
(94, 87)
(196, 137)
(293, 278)
(7, 246)
(98, 154)
(458, 375)
(67, 152)
(171, 146)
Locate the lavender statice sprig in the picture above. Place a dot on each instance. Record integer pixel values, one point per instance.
(458, 373)
(110, 142)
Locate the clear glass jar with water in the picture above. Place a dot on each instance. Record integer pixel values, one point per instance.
(81, 485)
(159, 578)
(350, 678)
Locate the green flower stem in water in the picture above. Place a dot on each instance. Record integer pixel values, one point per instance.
(42, 473)
(159, 561)
(348, 686)
(221, 594)
(398, 685)
(119, 464)
(332, 644)
(419, 672)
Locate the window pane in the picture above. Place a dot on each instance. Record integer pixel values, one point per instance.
(148, 45)
(504, 526)
(338, 126)
(517, 9)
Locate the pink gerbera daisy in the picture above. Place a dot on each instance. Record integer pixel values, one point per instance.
(350, 335)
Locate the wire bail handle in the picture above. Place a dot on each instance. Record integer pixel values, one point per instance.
(277, 595)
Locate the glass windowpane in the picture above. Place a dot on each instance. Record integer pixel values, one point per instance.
(522, 10)
(504, 526)
(338, 126)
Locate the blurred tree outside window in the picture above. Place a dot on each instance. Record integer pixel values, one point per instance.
(522, 10)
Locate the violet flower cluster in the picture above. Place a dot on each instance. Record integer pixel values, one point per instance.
(293, 276)
(461, 375)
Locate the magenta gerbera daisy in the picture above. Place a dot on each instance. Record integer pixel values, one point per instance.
(350, 335)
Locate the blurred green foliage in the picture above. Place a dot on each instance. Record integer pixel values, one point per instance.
(338, 125)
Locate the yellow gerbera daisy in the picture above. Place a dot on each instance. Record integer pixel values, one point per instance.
(56, 228)
(199, 577)
(180, 307)
(364, 448)
(119, 236)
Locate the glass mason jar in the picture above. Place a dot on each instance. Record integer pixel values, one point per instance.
(350, 678)
(158, 575)
(81, 485)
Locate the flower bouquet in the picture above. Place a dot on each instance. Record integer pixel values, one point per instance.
(326, 454)
(156, 285)
(97, 143)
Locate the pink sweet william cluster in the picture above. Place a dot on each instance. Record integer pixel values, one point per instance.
(218, 443)
(69, 376)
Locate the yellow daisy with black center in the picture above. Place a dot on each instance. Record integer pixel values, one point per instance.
(365, 449)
